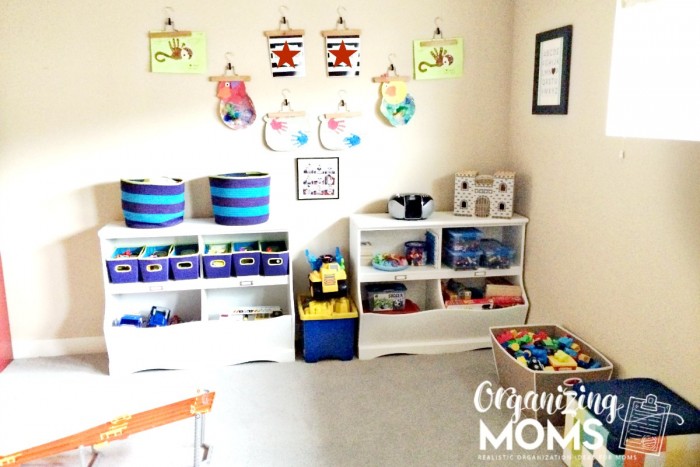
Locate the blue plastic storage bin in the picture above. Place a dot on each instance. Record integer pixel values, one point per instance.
(462, 239)
(496, 255)
(462, 260)
(328, 336)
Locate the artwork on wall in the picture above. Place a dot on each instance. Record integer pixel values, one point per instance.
(550, 92)
(286, 50)
(178, 52)
(438, 58)
(396, 105)
(340, 130)
(286, 130)
(236, 108)
(318, 178)
(342, 50)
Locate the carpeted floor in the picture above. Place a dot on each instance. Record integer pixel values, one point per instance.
(404, 410)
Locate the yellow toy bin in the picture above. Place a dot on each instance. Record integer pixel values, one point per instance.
(329, 328)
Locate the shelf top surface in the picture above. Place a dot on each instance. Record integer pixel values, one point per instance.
(437, 219)
(190, 227)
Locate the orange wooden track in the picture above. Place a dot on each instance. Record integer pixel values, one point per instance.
(117, 429)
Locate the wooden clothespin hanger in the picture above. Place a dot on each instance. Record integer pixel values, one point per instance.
(229, 73)
(169, 28)
(343, 111)
(282, 31)
(340, 23)
(437, 39)
(286, 109)
(386, 77)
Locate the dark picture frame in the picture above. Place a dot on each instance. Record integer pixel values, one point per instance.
(318, 178)
(550, 92)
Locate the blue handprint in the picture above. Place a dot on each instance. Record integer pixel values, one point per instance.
(352, 140)
(300, 138)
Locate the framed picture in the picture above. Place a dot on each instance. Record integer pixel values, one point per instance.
(318, 178)
(550, 93)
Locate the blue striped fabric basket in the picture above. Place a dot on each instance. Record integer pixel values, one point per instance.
(240, 198)
(153, 203)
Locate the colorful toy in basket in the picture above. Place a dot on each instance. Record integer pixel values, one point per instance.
(327, 278)
(539, 351)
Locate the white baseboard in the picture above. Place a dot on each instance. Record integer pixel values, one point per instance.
(32, 348)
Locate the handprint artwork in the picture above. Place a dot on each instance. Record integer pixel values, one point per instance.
(339, 133)
(235, 106)
(397, 105)
(286, 133)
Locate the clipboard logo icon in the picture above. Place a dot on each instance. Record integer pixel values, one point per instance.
(644, 425)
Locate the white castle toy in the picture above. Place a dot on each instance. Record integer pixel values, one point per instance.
(484, 195)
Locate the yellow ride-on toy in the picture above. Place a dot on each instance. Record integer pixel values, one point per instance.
(327, 278)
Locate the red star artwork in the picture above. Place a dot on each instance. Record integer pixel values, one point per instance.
(286, 56)
(342, 55)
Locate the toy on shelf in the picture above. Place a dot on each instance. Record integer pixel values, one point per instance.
(539, 351)
(327, 278)
(484, 195)
(389, 262)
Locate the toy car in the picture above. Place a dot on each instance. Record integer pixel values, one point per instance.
(159, 316)
(328, 278)
(130, 320)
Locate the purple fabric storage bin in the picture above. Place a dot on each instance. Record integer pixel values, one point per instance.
(274, 258)
(184, 262)
(123, 266)
(240, 198)
(153, 203)
(153, 263)
(246, 259)
(217, 260)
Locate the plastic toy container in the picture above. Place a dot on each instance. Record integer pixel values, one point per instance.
(329, 336)
(184, 262)
(153, 263)
(511, 374)
(217, 260)
(462, 260)
(496, 255)
(274, 258)
(385, 296)
(246, 258)
(415, 253)
(462, 239)
(123, 266)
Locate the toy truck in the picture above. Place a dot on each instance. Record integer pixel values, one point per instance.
(159, 316)
(328, 278)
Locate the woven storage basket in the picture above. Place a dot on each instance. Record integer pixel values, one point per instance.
(149, 204)
(240, 198)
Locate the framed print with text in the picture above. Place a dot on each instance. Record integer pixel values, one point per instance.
(550, 93)
(317, 178)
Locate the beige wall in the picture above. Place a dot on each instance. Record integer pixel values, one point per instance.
(612, 247)
(80, 110)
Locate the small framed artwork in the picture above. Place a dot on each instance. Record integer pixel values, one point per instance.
(318, 178)
(550, 93)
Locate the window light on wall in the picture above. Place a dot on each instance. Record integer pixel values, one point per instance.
(655, 72)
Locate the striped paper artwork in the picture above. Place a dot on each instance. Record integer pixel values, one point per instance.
(343, 55)
(287, 56)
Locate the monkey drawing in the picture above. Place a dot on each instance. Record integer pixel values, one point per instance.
(177, 52)
(441, 57)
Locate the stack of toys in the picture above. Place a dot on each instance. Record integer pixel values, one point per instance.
(539, 351)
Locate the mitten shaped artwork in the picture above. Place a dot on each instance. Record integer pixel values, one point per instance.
(236, 108)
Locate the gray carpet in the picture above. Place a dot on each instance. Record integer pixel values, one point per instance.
(399, 410)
